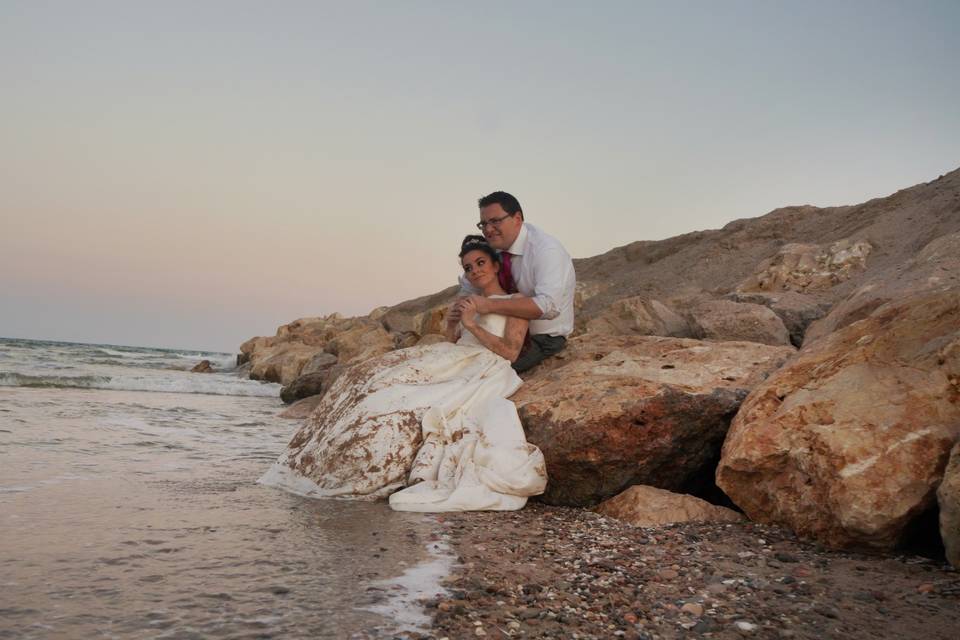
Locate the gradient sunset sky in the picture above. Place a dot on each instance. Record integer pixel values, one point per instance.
(191, 174)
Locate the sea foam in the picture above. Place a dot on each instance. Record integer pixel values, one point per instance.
(182, 383)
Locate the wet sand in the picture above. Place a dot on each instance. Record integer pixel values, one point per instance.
(547, 572)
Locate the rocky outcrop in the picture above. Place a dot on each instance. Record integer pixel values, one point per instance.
(311, 346)
(645, 506)
(948, 496)
(729, 320)
(847, 442)
(853, 421)
(795, 310)
(804, 267)
(319, 363)
(639, 316)
(935, 268)
(614, 411)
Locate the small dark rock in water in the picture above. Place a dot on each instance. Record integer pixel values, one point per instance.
(203, 366)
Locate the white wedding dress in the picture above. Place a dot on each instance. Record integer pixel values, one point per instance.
(434, 419)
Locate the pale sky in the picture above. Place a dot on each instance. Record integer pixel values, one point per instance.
(191, 174)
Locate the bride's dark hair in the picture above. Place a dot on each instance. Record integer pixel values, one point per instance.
(478, 243)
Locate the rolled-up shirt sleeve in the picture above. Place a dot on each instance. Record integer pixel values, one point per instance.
(553, 275)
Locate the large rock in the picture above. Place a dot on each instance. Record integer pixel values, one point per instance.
(847, 443)
(319, 363)
(304, 386)
(729, 320)
(365, 339)
(796, 310)
(281, 362)
(948, 495)
(936, 267)
(805, 267)
(613, 411)
(639, 316)
(644, 506)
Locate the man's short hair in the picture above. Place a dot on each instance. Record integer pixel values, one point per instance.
(506, 201)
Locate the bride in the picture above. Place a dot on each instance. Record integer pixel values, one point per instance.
(434, 419)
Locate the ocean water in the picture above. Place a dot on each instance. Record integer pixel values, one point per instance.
(129, 509)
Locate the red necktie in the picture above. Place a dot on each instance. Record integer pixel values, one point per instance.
(506, 274)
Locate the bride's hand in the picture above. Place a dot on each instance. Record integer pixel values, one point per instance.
(468, 311)
(453, 312)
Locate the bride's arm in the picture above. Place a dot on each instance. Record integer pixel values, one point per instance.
(508, 346)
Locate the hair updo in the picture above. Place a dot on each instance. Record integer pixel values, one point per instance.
(478, 243)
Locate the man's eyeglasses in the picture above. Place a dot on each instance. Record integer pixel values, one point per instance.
(493, 221)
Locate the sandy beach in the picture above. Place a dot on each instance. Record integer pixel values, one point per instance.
(550, 572)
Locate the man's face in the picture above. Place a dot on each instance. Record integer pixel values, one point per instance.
(501, 228)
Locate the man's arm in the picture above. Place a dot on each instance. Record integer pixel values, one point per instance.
(518, 306)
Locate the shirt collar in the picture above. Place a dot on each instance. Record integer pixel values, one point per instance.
(518, 245)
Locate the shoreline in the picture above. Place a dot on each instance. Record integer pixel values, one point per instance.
(547, 572)
(423, 582)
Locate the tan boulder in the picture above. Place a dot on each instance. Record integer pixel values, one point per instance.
(935, 268)
(847, 443)
(432, 321)
(729, 320)
(948, 495)
(806, 267)
(364, 339)
(254, 344)
(282, 362)
(645, 506)
(400, 321)
(302, 325)
(639, 316)
(796, 310)
(614, 411)
(319, 363)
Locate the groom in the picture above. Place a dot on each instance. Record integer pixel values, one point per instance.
(534, 264)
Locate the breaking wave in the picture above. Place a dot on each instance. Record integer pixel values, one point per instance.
(194, 383)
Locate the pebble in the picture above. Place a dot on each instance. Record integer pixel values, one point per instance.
(568, 573)
(744, 627)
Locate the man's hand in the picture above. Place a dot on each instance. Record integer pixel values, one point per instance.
(481, 304)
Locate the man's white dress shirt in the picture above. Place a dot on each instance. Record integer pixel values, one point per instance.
(543, 271)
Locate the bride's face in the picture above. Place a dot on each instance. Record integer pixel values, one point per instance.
(479, 268)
